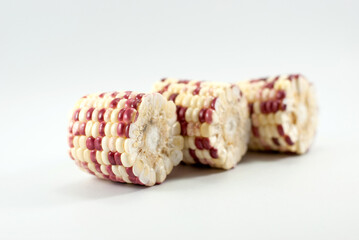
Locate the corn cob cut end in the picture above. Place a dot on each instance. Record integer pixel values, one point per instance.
(125, 137)
(283, 112)
(212, 117)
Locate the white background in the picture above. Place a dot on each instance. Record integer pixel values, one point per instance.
(53, 52)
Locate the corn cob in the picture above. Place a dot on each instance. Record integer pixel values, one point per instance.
(212, 117)
(283, 112)
(125, 137)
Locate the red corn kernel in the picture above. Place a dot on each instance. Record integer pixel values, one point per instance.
(182, 114)
(121, 128)
(201, 115)
(275, 106)
(196, 91)
(111, 158)
(98, 168)
(269, 85)
(263, 107)
(101, 129)
(90, 143)
(183, 128)
(293, 77)
(128, 115)
(164, 89)
(206, 143)
(71, 141)
(75, 117)
(213, 103)
(114, 94)
(173, 97)
(82, 128)
(114, 102)
(89, 113)
(131, 176)
(193, 155)
(109, 170)
(140, 96)
(127, 131)
(120, 114)
(208, 115)
(127, 94)
(93, 156)
(97, 144)
(183, 81)
(102, 95)
(101, 114)
(255, 131)
(288, 140)
(118, 158)
(275, 141)
(268, 106)
(198, 143)
(280, 94)
(213, 152)
(280, 130)
(131, 103)
(251, 109)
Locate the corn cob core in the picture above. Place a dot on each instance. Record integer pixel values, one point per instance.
(283, 112)
(212, 118)
(125, 137)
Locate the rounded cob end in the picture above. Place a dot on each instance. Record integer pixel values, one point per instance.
(154, 146)
(232, 127)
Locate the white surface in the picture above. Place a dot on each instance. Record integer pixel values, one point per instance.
(53, 52)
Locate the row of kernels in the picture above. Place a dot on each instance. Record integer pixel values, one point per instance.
(197, 142)
(200, 155)
(106, 103)
(115, 173)
(279, 117)
(196, 115)
(102, 157)
(194, 101)
(106, 143)
(193, 129)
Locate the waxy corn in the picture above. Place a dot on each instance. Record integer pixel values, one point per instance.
(283, 112)
(212, 118)
(125, 137)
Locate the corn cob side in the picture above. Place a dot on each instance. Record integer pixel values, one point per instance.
(212, 118)
(283, 112)
(125, 137)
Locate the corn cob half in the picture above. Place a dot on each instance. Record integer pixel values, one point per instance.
(212, 118)
(283, 112)
(125, 137)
